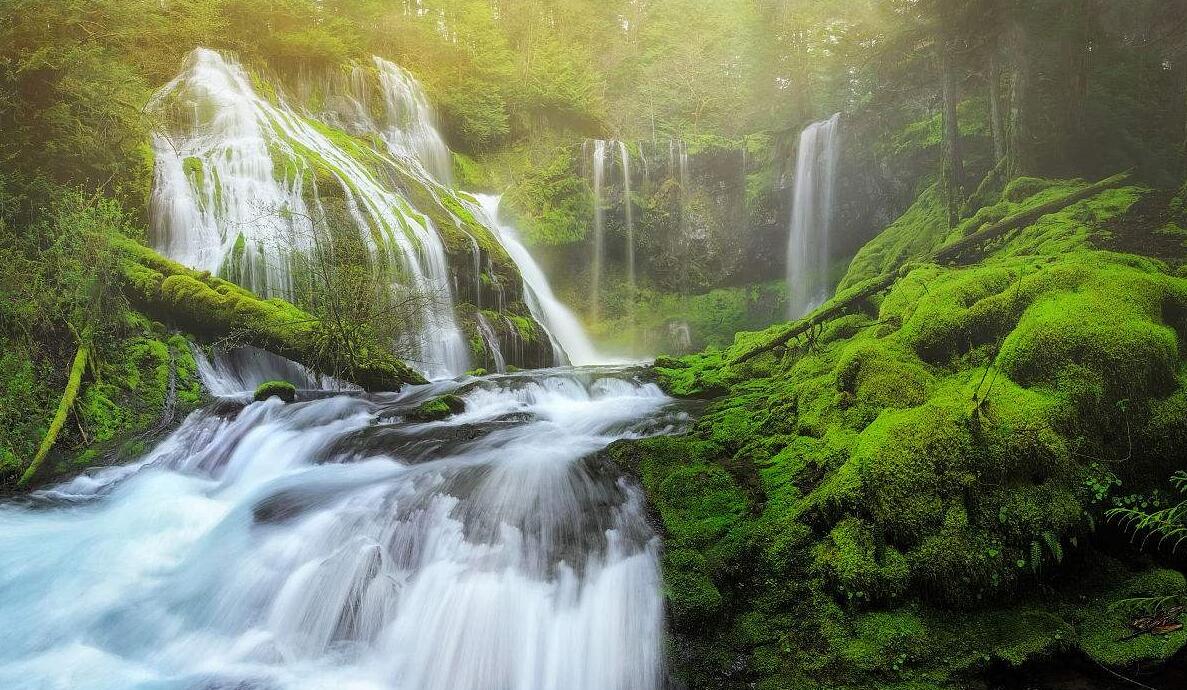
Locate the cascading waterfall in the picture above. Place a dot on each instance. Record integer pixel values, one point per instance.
(569, 340)
(411, 126)
(231, 197)
(811, 216)
(332, 544)
(492, 342)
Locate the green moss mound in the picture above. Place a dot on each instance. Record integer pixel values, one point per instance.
(885, 501)
(284, 390)
(437, 409)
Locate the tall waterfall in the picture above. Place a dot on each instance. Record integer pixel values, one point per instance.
(598, 163)
(569, 340)
(812, 210)
(628, 208)
(333, 544)
(237, 190)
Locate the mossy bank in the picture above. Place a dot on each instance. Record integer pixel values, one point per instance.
(912, 494)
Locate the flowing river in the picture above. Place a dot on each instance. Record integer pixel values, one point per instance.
(331, 543)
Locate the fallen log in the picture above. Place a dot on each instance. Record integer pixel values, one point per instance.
(214, 309)
(840, 305)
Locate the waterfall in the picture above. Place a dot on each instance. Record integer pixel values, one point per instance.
(599, 253)
(492, 342)
(569, 341)
(812, 216)
(330, 543)
(628, 207)
(237, 186)
(410, 128)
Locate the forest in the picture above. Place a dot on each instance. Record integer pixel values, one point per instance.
(593, 344)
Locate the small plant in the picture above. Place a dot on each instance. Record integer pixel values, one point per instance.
(1168, 525)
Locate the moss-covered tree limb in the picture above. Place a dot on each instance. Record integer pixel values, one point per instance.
(73, 384)
(1022, 219)
(212, 308)
(842, 304)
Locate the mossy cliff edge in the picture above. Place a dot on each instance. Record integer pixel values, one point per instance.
(911, 494)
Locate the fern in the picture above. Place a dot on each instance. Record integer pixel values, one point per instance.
(1168, 526)
(1053, 546)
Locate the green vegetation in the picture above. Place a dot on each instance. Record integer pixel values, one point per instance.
(877, 504)
(910, 490)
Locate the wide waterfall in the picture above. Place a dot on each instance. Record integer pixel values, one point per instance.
(332, 543)
(568, 337)
(236, 192)
(812, 209)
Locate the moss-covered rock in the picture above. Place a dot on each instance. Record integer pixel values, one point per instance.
(436, 409)
(284, 390)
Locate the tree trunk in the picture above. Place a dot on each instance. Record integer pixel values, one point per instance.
(953, 159)
(996, 118)
(1080, 59)
(1020, 140)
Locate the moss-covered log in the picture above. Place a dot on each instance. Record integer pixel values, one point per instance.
(73, 383)
(212, 308)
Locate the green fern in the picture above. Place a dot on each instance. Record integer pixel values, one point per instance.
(1168, 526)
(1053, 546)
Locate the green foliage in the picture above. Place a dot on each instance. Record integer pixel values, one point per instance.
(550, 200)
(1166, 527)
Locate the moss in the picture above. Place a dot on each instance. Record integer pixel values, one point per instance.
(284, 390)
(860, 569)
(192, 166)
(1104, 634)
(690, 594)
(437, 409)
(915, 233)
(211, 307)
(933, 466)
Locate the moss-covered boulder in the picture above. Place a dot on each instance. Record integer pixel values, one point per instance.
(284, 390)
(436, 409)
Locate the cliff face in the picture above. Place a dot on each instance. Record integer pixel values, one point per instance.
(912, 493)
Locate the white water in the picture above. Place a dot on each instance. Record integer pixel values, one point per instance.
(628, 207)
(321, 545)
(411, 126)
(812, 210)
(599, 253)
(492, 342)
(569, 340)
(232, 171)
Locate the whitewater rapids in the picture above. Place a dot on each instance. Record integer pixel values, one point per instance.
(330, 543)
